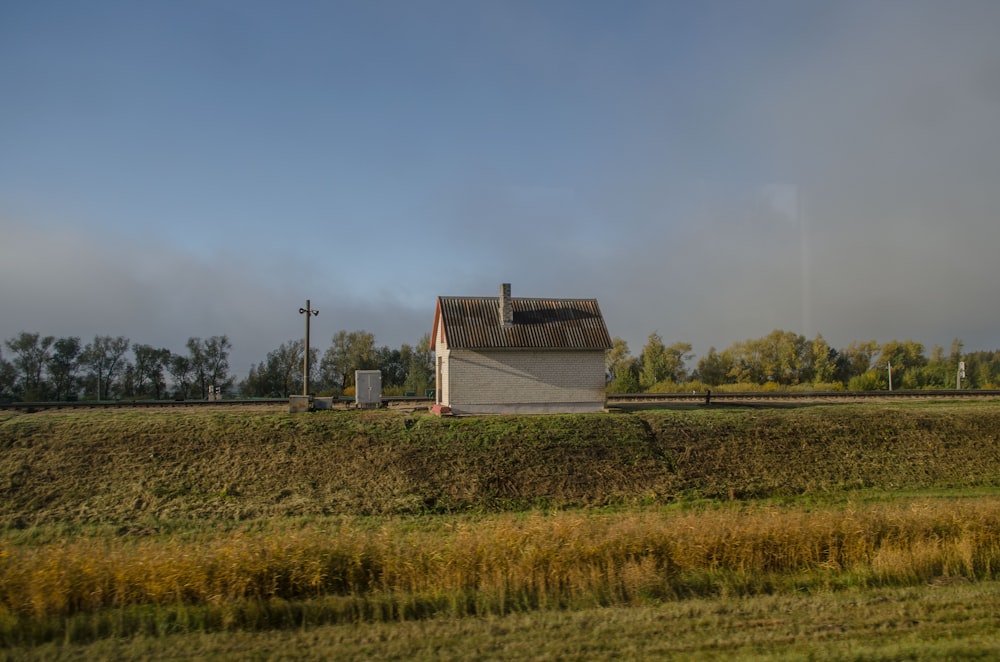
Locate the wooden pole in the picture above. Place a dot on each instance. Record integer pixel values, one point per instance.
(309, 312)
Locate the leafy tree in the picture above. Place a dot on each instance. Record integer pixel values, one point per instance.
(855, 361)
(785, 357)
(126, 386)
(781, 357)
(714, 368)
(280, 374)
(936, 373)
(653, 362)
(941, 370)
(626, 379)
(678, 354)
(420, 366)
(199, 366)
(956, 352)
(182, 374)
(257, 383)
(659, 363)
(63, 368)
(348, 352)
(621, 368)
(8, 377)
(872, 380)
(905, 359)
(745, 366)
(823, 361)
(31, 354)
(617, 359)
(982, 369)
(392, 364)
(149, 367)
(210, 363)
(104, 360)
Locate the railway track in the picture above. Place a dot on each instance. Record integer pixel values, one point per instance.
(802, 397)
(614, 400)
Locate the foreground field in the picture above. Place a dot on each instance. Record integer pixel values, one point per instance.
(956, 621)
(749, 532)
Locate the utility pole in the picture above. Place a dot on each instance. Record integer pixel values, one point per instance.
(308, 312)
(890, 374)
(961, 374)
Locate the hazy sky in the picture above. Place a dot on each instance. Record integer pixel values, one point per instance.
(707, 170)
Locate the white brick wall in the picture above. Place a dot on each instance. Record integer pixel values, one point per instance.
(522, 381)
(441, 368)
(443, 379)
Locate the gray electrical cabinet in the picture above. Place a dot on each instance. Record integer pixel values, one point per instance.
(368, 389)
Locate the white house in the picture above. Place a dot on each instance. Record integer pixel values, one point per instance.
(519, 355)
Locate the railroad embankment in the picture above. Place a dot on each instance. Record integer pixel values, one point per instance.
(134, 468)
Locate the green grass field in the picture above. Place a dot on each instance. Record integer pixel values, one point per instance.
(825, 532)
(933, 622)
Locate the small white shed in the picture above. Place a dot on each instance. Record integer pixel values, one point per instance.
(519, 355)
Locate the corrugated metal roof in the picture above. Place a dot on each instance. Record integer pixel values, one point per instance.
(474, 323)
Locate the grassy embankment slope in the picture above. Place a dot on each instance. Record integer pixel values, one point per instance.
(142, 467)
(117, 523)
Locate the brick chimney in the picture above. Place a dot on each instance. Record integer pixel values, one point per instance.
(506, 306)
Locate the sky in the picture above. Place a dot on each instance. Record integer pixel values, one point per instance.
(709, 171)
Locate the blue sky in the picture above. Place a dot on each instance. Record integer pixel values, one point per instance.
(707, 170)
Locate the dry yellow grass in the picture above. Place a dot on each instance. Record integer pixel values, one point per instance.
(509, 563)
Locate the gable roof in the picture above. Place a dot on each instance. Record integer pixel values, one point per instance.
(474, 323)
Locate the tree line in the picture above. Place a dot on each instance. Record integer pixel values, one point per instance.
(38, 368)
(786, 360)
(44, 368)
(407, 370)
